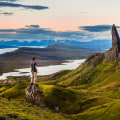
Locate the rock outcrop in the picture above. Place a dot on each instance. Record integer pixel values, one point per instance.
(111, 54)
(114, 52)
(115, 37)
(36, 95)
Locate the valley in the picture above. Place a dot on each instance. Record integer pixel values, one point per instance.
(52, 55)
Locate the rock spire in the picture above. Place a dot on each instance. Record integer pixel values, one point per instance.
(111, 54)
(115, 37)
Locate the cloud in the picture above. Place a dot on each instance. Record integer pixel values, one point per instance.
(96, 28)
(8, 0)
(35, 32)
(35, 7)
(38, 33)
(29, 29)
(6, 13)
(32, 26)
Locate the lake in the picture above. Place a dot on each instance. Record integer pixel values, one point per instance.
(45, 70)
(5, 50)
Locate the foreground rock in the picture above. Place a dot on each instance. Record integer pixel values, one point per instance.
(36, 95)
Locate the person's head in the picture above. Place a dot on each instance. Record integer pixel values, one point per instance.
(34, 59)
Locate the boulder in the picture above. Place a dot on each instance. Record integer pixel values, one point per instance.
(36, 95)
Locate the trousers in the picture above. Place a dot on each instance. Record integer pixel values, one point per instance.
(34, 77)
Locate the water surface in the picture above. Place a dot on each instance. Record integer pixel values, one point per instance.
(45, 70)
(5, 50)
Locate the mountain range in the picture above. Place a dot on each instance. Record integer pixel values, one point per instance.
(7, 46)
(95, 44)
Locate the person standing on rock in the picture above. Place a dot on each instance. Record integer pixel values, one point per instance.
(34, 71)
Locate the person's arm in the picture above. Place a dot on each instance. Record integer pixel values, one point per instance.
(30, 68)
(36, 68)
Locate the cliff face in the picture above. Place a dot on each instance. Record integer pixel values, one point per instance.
(110, 55)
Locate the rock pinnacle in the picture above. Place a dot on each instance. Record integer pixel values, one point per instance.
(115, 37)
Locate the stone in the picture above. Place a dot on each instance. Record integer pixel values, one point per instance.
(36, 95)
(57, 109)
(41, 115)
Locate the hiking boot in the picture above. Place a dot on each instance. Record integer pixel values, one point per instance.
(31, 83)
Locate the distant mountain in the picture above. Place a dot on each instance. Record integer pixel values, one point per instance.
(7, 46)
(95, 44)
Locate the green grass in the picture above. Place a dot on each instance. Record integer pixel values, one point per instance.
(13, 102)
(86, 93)
(21, 110)
(15, 91)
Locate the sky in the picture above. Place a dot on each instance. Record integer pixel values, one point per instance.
(81, 20)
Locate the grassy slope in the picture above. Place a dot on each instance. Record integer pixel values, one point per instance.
(100, 87)
(13, 105)
(90, 93)
(95, 92)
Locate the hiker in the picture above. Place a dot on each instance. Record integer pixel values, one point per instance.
(34, 71)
